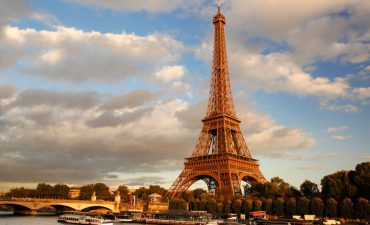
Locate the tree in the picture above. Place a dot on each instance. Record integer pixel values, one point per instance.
(362, 179)
(181, 204)
(198, 192)
(86, 192)
(124, 192)
(246, 206)
(236, 206)
(309, 188)
(44, 190)
(202, 205)
(278, 206)
(102, 191)
(227, 206)
(331, 207)
(212, 206)
(346, 208)
(303, 206)
(142, 193)
(156, 189)
(267, 205)
(338, 186)
(362, 208)
(193, 205)
(317, 206)
(290, 207)
(61, 191)
(257, 205)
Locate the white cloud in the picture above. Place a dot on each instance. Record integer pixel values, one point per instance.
(342, 138)
(170, 73)
(336, 133)
(337, 129)
(151, 6)
(76, 55)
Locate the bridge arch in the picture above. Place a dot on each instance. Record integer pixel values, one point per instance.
(95, 207)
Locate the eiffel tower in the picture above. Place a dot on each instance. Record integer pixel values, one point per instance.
(221, 157)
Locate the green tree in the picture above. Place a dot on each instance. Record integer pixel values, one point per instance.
(331, 207)
(267, 205)
(346, 208)
(194, 205)
(102, 191)
(212, 206)
(142, 193)
(21, 193)
(257, 205)
(198, 192)
(44, 190)
(317, 206)
(309, 189)
(246, 206)
(362, 208)
(181, 204)
(290, 207)
(227, 206)
(278, 206)
(303, 206)
(86, 192)
(124, 192)
(61, 191)
(362, 179)
(338, 186)
(202, 205)
(236, 206)
(156, 189)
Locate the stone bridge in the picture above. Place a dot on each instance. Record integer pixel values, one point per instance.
(30, 206)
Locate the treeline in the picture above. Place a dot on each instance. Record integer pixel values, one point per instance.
(102, 191)
(344, 194)
(60, 191)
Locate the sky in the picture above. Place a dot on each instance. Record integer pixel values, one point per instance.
(114, 91)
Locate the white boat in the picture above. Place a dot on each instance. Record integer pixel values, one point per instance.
(6, 211)
(83, 219)
(214, 222)
(123, 218)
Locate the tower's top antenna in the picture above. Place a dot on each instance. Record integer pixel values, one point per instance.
(219, 6)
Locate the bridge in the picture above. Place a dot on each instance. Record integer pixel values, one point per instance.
(30, 206)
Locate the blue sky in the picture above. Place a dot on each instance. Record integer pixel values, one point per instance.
(114, 91)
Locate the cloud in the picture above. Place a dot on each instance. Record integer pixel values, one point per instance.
(130, 100)
(60, 136)
(39, 97)
(341, 137)
(151, 6)
(337, 129)
(336, 133)
(75, 55)
(45, 133)
(309, 168)
(13, 10)
(170, 73)
(145, 180)
(6, 91)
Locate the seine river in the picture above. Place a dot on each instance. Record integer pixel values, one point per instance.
(32, 220)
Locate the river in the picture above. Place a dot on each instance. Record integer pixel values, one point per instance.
(32, 220)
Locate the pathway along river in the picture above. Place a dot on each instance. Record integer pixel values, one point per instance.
(33, 220)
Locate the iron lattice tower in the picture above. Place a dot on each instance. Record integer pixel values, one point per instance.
(221, 157)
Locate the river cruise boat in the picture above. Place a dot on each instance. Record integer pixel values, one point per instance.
(83, 219)
(6, 211)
